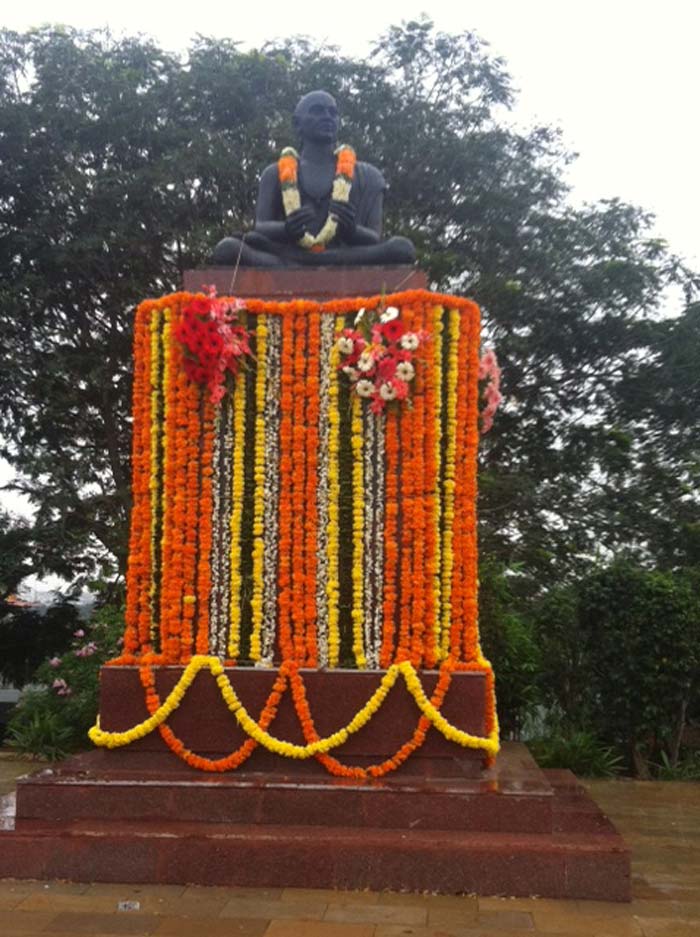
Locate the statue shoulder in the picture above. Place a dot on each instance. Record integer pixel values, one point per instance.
(270, 175)
(370, 177)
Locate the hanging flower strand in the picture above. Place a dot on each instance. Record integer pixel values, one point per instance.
(490, 371)
(378, 356)
(214, 340)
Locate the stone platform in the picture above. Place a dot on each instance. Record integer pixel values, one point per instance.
(205, 725)
(317, 283)
(144, 817)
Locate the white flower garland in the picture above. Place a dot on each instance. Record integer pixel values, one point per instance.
(327, 336)
(271, 487)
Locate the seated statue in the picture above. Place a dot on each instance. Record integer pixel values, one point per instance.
(321, 207)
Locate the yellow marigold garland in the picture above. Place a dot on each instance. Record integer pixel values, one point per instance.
(357, 439)
(239, 407)
(105, 739)
(333, 584)
(437, 314)
(256, 601)
(447, 555)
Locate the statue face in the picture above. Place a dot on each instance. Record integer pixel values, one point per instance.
(316, 118)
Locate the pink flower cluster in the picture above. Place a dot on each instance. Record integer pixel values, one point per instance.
(61, 687)
(87, 650)
(490, 371)
(214, 341)
(378, 357)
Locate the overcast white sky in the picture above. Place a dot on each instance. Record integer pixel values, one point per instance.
(619, 77)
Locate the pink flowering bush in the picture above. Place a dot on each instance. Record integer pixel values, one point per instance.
(54, 719)
(490, 372)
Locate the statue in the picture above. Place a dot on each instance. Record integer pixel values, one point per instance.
(317, 208)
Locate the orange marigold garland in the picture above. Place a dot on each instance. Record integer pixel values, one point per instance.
(391, 550)
(286, 471)
(469, 352)
(299, 454)
(438, 532)
(432, 444)
(311, 519)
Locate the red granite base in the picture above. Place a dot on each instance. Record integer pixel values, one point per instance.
(141, 817)
(206, 726)
(317, 283)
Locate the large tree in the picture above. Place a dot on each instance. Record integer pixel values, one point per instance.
(123, 164)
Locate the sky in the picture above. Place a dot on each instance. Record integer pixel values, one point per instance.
(619, 78)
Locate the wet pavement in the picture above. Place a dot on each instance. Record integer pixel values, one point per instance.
(660, 821)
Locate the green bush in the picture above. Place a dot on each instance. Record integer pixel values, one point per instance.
(580, 752)
(53, 719)
(508, 641)
(621, 660)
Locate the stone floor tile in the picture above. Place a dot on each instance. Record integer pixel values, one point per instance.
(504, 920)
(669, 927)
(586, 925)
(134, 892)
(49, 901)
(376, 914)
(405, 930)
(26, 922)
(465, 904)
(128, 922)
(671, 908)
(452, 918)
(327, 896)
(186, 906)
(29, 886)
(318, 929)
(273, 910)
(527, 904)
(404, 899)
(210, 927)
(205, 892)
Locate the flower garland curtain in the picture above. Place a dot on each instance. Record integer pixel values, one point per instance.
(291, 523)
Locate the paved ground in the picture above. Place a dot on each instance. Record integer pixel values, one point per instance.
(661, 821)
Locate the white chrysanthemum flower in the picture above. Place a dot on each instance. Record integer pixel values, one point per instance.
(365, 361)
(405, 371)
(351, 372)
(391, 312)
(345, 345)
(387, 392)
(364, 388)
(409, 341)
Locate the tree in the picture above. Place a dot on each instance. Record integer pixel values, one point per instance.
(28, 634)
(126, 164)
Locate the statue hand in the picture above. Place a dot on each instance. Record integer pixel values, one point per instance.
(298, 222)
(344, 212)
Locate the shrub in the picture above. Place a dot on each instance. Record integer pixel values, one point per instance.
(53, 719)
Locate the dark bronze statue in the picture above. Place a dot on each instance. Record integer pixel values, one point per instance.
(300, 222)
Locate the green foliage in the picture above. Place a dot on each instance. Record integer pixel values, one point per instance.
(621, 652)
(580, 752)
(126, 164)
(642, 631)
(687, 767)
(508, 642)
(54, 720)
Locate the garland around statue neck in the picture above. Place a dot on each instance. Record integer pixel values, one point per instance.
(288, 169)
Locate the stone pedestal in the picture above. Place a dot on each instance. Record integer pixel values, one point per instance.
(317, 283)
(141, 816)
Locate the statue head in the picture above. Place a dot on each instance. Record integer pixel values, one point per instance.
(316, 118)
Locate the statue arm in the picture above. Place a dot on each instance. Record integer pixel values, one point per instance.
(371, 210)
(269, 214)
